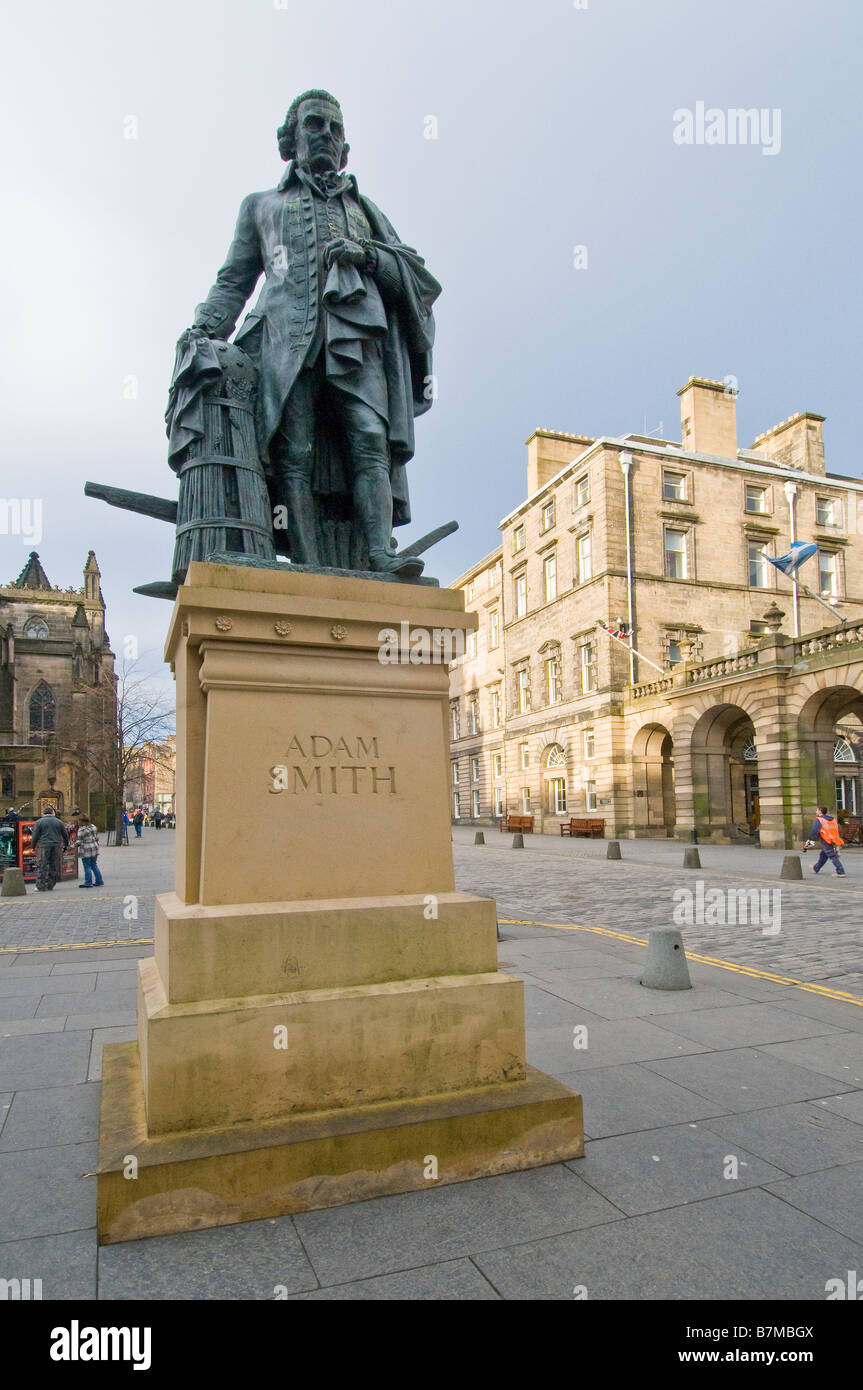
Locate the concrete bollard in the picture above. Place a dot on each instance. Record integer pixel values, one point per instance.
(666, 966)
(613, 851)
(518, 840)
(13, 884)
(479, 838)
(691, 859)
(791, 867)
(499, 937)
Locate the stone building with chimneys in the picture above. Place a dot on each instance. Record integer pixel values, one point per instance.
(58, 694)
(742, 703)
(151, 777)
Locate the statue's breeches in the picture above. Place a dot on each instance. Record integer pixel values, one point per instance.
(293, 448)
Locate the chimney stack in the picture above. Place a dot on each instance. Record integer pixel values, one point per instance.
(796, 443)
(708, 417)
(548, 451)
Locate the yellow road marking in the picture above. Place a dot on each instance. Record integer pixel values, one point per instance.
(103, 898)
(749, 970)
(692, 955)
(77, 945)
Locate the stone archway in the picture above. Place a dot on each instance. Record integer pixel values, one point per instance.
(722, 796)
(653, 806)
(816, 735)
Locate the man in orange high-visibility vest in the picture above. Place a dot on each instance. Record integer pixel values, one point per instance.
(826, 835)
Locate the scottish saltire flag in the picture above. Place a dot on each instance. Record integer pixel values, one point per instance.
(800, 552)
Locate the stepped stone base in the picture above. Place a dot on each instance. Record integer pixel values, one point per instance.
(215, 1177)
(323, 1019)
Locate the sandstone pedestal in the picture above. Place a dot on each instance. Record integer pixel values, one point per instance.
(323, 1019)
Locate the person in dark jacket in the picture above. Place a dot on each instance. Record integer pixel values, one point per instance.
(826, 835)
(138, 822)
(50, 838)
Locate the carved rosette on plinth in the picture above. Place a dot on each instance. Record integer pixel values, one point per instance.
(323, 1019)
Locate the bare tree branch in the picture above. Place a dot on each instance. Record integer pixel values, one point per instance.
(112, 738)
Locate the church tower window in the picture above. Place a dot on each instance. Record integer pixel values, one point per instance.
(42, 711)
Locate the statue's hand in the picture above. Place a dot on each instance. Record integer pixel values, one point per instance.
(344, 251)
(189, 335)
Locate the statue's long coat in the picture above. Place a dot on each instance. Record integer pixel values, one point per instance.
(276, 235)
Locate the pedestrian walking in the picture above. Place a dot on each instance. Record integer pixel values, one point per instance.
(88, 852)
(138, 822)
(157, 819)
(826, 835)
(50, 838)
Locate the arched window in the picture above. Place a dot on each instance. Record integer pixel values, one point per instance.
(556, 756)
(843, 752)
(36, 627)
(42, 709)
(750, 752)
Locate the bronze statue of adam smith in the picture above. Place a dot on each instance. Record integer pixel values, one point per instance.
(342, 335)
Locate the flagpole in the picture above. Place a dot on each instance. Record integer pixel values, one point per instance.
(799, 588)
(804, 588)
(791, 497)
(629, 647)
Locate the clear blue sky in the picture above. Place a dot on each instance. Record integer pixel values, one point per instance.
(555, 128)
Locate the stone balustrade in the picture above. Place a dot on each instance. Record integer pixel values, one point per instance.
(657, 687)
(688, 675)
(849, 636)
(725, 666)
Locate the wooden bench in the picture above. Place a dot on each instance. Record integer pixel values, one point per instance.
(513, 823)
(593, 829)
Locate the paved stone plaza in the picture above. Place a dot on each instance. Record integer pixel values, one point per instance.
(725, 1124)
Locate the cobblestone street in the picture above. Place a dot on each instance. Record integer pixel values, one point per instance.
(820, 935)
(120, 911)
(557, 882)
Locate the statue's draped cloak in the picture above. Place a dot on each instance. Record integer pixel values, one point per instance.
(276, 234)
